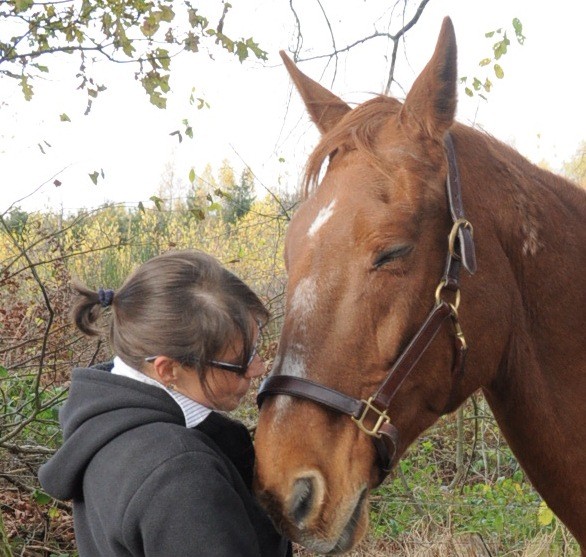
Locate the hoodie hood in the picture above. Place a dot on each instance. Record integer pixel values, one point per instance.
(100, 407)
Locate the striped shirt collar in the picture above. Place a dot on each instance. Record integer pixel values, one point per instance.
(194, 412)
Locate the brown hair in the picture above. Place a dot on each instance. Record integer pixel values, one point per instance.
(181, 304)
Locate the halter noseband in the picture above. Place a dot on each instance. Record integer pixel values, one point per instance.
(371, 415)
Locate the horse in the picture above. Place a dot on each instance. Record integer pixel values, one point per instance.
(427, 261)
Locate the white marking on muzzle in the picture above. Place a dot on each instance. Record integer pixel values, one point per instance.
(323, 216)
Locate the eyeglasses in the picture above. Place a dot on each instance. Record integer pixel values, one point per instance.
(234, 368)
(237, 368)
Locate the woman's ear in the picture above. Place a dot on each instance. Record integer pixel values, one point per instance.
(165, 370)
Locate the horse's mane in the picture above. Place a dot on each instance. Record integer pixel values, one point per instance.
(357, 129)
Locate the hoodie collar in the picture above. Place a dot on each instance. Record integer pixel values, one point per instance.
(193, 412)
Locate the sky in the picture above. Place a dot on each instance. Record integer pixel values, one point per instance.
(256, 119)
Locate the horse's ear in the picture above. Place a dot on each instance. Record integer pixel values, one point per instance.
(430, 106)
(324, 107)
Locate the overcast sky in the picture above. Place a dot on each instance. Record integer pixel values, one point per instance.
(255, 119)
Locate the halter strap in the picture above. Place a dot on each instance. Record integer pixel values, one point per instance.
(371, 415)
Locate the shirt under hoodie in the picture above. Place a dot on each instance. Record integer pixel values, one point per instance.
(144, 484)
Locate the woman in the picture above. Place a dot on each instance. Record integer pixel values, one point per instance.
(151, 467)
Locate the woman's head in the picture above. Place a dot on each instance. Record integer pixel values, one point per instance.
(181, 304)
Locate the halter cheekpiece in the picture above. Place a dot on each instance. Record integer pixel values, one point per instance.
(370, 415)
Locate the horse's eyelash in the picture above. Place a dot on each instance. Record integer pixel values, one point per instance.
(392, 254)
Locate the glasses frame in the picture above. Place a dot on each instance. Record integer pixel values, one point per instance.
(227, 366)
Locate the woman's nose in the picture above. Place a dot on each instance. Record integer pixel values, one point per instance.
(256, 368)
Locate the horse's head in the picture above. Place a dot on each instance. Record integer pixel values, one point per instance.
(364, 254)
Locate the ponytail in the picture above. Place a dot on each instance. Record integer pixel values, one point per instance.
(87, 307)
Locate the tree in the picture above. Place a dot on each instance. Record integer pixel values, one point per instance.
(239, 198)
(575, 168)
(147, 34)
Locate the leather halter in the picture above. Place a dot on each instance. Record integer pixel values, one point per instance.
(371, 415)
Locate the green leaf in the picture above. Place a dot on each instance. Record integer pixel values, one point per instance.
(198, 213)
(27, 88)
(94, 177)
(163, 58)
(40, 497)
(157, 201)
(197, 20)
(122, 40)
(150, 26)
(544, 514)
(202, 103)
(64, 118)
(191, 42)
(469, 92)
(256, 50)
(3, 372)
(192, 175)
(153, 83)
(141, 207)
(241, 51)
(518, 27)
(498, 71)
(167, 14)
(189, 132)
(23, 5)
(54, 513)
(227, 42)
(500, 48)
(484, 62)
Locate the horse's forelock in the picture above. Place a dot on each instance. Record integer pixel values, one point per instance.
(357, 130)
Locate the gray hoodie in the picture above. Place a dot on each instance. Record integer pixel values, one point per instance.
(143, 484)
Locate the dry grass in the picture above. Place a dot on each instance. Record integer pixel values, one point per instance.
(424, 543)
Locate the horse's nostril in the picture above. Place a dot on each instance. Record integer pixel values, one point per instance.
(302, 499)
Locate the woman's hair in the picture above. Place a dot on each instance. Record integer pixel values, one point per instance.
(181, 304)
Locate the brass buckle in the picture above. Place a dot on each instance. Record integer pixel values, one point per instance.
(460, 223)
(382, 418)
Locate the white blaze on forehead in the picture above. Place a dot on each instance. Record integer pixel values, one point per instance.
(303, 301)
(323, 216)
(292, 364)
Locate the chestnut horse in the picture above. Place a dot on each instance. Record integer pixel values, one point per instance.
(372, 253)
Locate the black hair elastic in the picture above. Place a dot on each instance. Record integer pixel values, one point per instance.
(105, 297)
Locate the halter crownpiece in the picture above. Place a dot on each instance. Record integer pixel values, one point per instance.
(370, 416)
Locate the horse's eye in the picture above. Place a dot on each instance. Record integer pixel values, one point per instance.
(392, 254)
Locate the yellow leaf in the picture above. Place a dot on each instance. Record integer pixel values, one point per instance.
(544, 514)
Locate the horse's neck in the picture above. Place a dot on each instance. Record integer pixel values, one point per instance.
(539, 392)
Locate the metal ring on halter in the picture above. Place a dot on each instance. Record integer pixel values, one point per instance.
(438, 299)
(454, 232)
